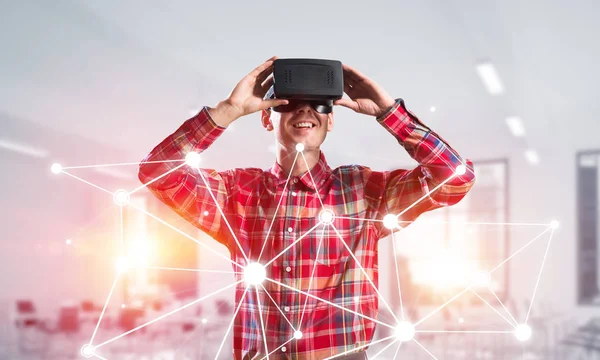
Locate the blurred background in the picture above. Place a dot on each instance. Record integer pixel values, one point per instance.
(509, 84)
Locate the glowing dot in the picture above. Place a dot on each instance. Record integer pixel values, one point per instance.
(192, 159)
(523, 332)
(122, 265)
(206, 213)
(298, 335)
(121, 197)
(461, 170)
(405, 331)
(56, 168)
(481, 278)
(432, 109)
(554, 224)
(204, 320)
(87, 351)
(390, 221)
(68, 242)
(254, 274)
(283, 349)
(326, 217)
(356, 299)
(461, 320)
(299, 147)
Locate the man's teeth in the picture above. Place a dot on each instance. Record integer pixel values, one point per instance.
(303, 125)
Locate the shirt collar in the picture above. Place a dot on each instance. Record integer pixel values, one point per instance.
(320, 172)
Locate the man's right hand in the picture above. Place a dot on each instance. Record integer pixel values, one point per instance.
(248, 96)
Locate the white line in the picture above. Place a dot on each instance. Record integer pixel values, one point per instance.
(261, 322)
(365, 273)
(278, 308)
(280, 346)
(169, 313)
(397, 350)
(122, 230)
(518, 251)
(493, 308)
(184, 269)
(119, 164)
(330, 303)
(466, 331)
(441, 307)
(277, 209)
(501, 303)
(184, 234)
(291, 245)
(539, 276)
(223, 215)
(87, 182)
(311, 278)
(313, 181)
(156, 178)
(382, 350)
(362, 219)
(423, 347)
(397, 275)
(426, 195)
(231, 323)
(360, 347)
(112, 288)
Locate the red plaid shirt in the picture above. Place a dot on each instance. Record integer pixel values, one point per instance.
(264, 212)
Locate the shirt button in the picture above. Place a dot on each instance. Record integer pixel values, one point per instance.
(283, 349)
(286, 308)
(288, 269)
(295, 181)
(294, 193)
(290, 229)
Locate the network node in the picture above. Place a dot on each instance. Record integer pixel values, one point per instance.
(523, 332)
(122, 265)
(554, 224)
(254, 274)
(68, 242)
(192, 159)
(123, 306)
(326, 217)
(461, 170)
(56, 168)
(299, 147)
(87, 351)
(405, 331)
(481, 278)
(298, 335)
(461, 320)
(204, 320)
(121, 197)
(390, 221)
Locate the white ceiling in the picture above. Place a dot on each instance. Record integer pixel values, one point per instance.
(127, 73)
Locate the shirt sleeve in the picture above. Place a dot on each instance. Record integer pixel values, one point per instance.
(196, 194)
(434, 183)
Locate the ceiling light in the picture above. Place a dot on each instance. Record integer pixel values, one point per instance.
(515, 124)
(491, 80)
(532, 156)
(23, 149)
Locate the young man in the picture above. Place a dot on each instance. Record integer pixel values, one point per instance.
(313, 230)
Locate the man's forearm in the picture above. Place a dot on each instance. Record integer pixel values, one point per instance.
(223, 114)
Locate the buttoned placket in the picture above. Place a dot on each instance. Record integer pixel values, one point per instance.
(289, 236)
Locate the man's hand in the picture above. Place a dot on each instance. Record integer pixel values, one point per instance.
(247, 96)
(366, 97)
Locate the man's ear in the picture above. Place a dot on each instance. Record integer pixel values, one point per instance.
(266, 119)
(330, 121)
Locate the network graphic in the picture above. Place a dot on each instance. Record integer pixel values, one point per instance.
(255, 273)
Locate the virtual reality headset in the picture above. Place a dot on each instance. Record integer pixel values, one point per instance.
(316, 81)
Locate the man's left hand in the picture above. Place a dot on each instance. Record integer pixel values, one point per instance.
(366, 97)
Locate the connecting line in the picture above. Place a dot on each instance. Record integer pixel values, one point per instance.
(262, 323)
(112, 288)
(311, 278)
(277, 209)
(441, 307)
(539, 276)
(493, 308)
(397, 350)
(119, 164)
(157, 178)
(313, 181)
(292, 244)
(501, 303)
(466, 331)
(223, 215)
(169, 313)
(183, 269)
(426, 195)
(382, 350)
(280, 346)
(231, 323)
(397, 275)
(365, 273)
(355, 218)
(184, 234)
(278, 308)
(360, 347)
(330, 303)
(121, 230)
(423, 347)
(518, 251)
(87, 182)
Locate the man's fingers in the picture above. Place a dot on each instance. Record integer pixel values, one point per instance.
(262, 67)
(267, 84)
(346, 103)
(272, 103)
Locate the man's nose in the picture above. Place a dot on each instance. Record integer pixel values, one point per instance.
(303, 106)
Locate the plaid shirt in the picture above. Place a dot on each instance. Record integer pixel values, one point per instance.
(262, 214)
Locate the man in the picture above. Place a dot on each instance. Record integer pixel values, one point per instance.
(314, 233)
